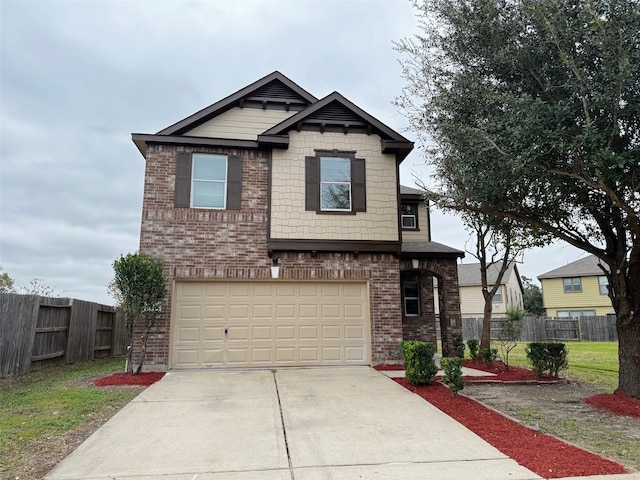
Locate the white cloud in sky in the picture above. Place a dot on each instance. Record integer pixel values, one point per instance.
(78, 77)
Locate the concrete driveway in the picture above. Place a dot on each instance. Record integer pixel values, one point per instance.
(303, 424)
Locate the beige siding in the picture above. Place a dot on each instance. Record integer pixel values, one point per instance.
(421, 235)
(290, 220)
(554, 298)
(240, 123)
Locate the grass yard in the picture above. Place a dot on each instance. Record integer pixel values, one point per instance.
(45, 404)
(591, 362)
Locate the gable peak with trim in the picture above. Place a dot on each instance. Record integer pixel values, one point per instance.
(266, 111)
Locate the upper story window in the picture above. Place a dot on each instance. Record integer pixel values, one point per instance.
(335, 183)
(572, 285)
(206, 180)
(497, 297)
(209, 181)
(409, 216)
(603, 284)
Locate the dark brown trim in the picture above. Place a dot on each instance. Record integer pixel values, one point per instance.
(304, 245)
(273, 141)
(417, 205)
(422, 255)
(230, 101)
(395, 139)
(143, 139)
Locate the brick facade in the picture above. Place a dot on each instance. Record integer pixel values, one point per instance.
(231, 244)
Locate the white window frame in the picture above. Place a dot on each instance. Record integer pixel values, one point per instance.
(348, 184)
(603, 285)
(497, 297)
(405, 297)
(194, 180)
(575, 313)
(573, 281)
(409, 216)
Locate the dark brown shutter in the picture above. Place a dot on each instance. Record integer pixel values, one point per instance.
(234, 183)
(358, 185)
(312, 183)
(182, 195)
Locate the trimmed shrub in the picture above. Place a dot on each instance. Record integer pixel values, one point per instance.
(452, 367)
(558, 358)
(419, 365)
(543, 357)
(473, 345)
(458, 344)
(489, 356)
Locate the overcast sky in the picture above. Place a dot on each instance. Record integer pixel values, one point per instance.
(78, 77)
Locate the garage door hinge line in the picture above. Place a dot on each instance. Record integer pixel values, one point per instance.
(284, 429)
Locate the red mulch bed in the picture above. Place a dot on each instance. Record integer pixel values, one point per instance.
(543, 454)
(618, 403)
(143, 379)
(513, 374)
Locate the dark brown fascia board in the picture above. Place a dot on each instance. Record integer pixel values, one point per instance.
(273, 141)
(143, 139)
(305, 245)
(411, 197)
(423, 255)
(385, 131)
(401, 149)
(226, 103)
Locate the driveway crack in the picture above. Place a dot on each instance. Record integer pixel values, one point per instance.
(284, 428)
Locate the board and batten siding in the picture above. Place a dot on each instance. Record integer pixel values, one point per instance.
(240, 123)
(554, 298)
(290, 220)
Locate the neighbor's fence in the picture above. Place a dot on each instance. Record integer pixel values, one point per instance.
(541, 329)
(39, 331)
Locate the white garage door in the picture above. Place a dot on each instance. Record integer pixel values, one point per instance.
(269, 323)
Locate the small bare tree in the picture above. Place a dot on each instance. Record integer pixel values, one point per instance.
(510, 332)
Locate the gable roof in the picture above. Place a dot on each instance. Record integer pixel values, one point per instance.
(469, 274)
(332, 113)
(585, 267)
(429, 250)
(335, 113)
(274, 88)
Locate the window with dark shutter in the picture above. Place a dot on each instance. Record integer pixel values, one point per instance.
(182, 195)
(339, 189)
(358, 185)
(203, 185)
(312, 183)
(234, 183)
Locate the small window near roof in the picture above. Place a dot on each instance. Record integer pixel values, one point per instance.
(409, 216)
(572, 285)
(209, 181)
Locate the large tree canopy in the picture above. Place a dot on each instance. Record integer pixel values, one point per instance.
(531, 111)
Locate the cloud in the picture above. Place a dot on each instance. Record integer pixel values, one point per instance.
(77, 78)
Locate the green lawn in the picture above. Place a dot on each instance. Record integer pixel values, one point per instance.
(49, 402)
(592, 362)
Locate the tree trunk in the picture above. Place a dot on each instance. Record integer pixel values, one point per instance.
(485, 338)
(629, 356)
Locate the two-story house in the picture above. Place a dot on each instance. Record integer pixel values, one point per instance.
(579, 289)
(280, 220)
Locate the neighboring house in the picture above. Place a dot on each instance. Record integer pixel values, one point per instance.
(280, 220)
(579, 289)
(510, 293)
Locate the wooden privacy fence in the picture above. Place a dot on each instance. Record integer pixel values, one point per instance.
(541, 329)
(39, 331)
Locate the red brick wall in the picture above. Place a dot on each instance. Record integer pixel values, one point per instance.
(201, 244)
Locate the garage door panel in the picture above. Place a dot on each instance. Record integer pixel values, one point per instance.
(270, 323)
(354, 332)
